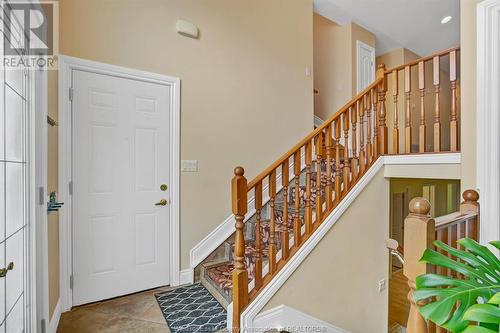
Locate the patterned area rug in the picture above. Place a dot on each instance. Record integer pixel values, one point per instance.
(192, 309)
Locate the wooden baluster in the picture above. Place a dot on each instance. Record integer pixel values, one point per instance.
(382, 127)
(297, 235)
(337, 161)
(362, 157)
(285, 181)
(319, 199)
(421, 87)
(442, 235)
(395, 130)
(272, 223)
(240, 274)
(258, 237)
(347, 171)
(354, 161)
(437, 115)
(328, 188)
(368, 112)
(408, 110)
(471, 204)
(453, 117)
(373, 98)
(419, 233)
(308, 209)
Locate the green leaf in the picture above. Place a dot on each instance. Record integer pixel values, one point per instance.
(477, 329)
(449, 297)
(484, 313)
(495, 299)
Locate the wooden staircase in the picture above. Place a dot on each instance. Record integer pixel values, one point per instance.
(288, 203)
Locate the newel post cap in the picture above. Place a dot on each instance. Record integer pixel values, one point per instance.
(420, 206)
(470, 195)
(239, 171)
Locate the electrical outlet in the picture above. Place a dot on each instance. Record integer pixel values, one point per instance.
(381, 285)
(189, 165)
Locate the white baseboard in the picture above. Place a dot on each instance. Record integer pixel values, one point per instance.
(186, 276)
(291, 320)
(318, 121)
(56, 316)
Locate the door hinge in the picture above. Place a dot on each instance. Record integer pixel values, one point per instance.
(43, 326)
(71, 282)
(70, 187)
(41, 195)
(71, 94)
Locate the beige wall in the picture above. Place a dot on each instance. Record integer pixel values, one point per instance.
(338, 281)
(468, 91)
(335, 63)
(245, 97)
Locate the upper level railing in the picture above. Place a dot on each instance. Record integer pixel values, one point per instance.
(303, 186)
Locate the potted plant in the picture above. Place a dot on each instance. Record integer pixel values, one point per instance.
(470, 303)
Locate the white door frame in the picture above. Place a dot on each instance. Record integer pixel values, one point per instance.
(66, 66)
(488, 120)
(359, 46)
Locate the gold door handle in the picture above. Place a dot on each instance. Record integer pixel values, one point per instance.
(4, 271)
(162, 202)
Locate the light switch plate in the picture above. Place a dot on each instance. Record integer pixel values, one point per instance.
(382, 285)
(189, 165)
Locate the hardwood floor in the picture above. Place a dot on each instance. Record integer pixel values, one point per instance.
(399, 305)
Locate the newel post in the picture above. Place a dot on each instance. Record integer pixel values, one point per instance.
(419, 233)
(471, 205)
(240, 275)
(382, 126)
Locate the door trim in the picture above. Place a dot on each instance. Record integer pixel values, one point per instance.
(66, 66)
(488, 142)
(359, 45)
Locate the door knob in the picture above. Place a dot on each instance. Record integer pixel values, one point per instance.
(4, 271)
(162, 202)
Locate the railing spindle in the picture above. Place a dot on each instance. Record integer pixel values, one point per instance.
(272, 223)
(258, 237)
(354, 161)
(297, 222)
(471, 204)
(395, 130)
(308, 209)
(437, 115)
(368, 112)
(408, 110)
(373, 97)
(319, 200)
(347, 171)
(362, 157)
(240, 274)
(453, 116)
(337, 161)
(285, 180)
(328, 188)
(421, 87)
(382, 127)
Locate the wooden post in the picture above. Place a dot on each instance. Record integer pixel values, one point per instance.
(362, 156)
(308, 210)
(471, 205)
(421, 87)
(437, 115)
(240, 274)
(328, 188)
(395, 130)
(419, 233)
(347, 171)
(453, 117)
(319, 152)
(408, 110)
(382, 127)
(373, 97)
(337, 160)
(258, 237)
(285, 181)
(368, 112)
(272, 223)
(297, 236)
(354, 160)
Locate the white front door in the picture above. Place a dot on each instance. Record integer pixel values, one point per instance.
(365, 66)
(120, 162)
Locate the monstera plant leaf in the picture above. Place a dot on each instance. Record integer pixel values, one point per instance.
(487, 315)
(448, 298)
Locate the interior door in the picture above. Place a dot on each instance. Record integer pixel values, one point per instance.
(14, 237)
(120, 162)
(365, 65)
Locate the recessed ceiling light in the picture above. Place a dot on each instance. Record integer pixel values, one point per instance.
(446, 19)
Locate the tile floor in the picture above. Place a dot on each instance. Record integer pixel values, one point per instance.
(138, 313)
